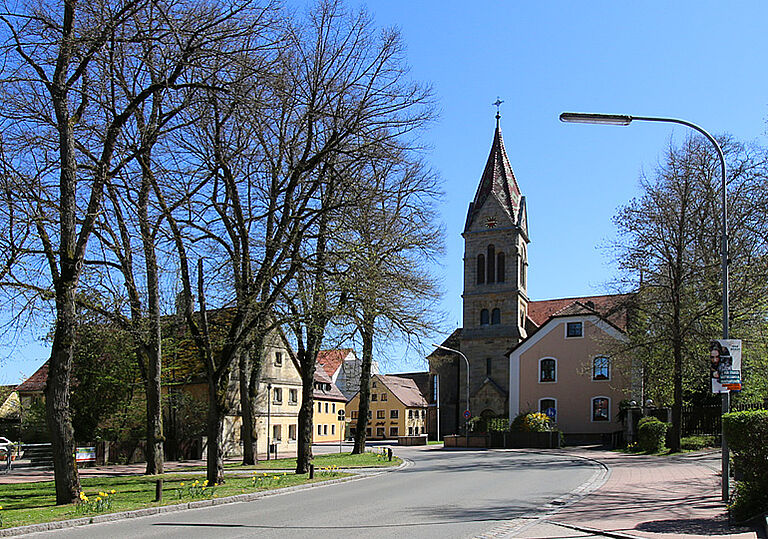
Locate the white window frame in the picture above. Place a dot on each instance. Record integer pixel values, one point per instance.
(592, 408)
(565, 329)
(609, 369)
(538, 372)
(550, 399)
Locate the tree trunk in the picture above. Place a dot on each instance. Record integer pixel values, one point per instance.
(251, 361)
(155, 437)
(57, 412)
(304, 450)
(366, 333)
(216, 411)
(677, 403)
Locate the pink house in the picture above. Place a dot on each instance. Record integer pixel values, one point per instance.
(564, 369)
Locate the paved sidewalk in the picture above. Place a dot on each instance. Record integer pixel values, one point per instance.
(648, 497)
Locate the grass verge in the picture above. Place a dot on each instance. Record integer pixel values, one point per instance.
(368, 459)
(34, 503)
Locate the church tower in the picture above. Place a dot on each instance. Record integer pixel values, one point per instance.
(495, 299)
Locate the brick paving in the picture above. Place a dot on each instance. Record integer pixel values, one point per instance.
(649, 497)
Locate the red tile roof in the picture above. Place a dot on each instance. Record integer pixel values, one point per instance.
(36, 382)
(404, 389)
(331, 360)
(608, 306)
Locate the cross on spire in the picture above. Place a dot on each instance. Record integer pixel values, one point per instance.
(497, 104)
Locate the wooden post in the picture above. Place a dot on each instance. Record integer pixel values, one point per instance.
(158, 490)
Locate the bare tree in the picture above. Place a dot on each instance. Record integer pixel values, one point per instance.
(337, 90)
(59, 67)
(669, 255)
(390, 240)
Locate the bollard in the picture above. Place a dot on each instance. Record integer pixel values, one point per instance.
(311, 471)
(158, 490)
(389, 453)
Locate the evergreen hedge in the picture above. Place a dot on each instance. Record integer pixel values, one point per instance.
(747, 436)
(651, 434)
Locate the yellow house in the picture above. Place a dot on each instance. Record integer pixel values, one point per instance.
(329, 400)
(279, 399)
(397, 408)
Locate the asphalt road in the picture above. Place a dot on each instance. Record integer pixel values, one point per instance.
(440, 494)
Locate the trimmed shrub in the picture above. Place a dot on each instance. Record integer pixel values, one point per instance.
(692, 443)
(747, 436)
(651, 434)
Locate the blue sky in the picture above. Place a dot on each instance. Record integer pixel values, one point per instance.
(702, 61)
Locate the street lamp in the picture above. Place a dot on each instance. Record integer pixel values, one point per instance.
(466, 420)
(269, 396)
(625, 119)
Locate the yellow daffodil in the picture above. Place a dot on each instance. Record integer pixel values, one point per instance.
(112, 491)
(182, 484)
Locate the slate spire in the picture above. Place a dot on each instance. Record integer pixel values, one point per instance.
(498, 181)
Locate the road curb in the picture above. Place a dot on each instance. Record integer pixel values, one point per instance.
(518, 524)
(198, 504)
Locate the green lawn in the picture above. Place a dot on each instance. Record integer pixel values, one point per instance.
(32, 503)
(340, 460)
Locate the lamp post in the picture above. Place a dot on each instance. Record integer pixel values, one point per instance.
(625, 119)
(466, 420)
(269, 397)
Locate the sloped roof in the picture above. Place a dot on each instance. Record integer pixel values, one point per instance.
(404, 389)
(452, 341)
(36, 382)
(422, 381)
(608, 306)
(333, 393)
(11, 407)
(331, 360)
(497, 180)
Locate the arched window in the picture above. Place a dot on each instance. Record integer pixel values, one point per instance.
(484, 317)
(491, 259)
(601, 409)
(480, 269)
(495, 317)
(601, 368)
(548, 406)
(500, 268)
(547, 370)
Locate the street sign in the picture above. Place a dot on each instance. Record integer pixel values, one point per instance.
(467, 415)
(341, 415)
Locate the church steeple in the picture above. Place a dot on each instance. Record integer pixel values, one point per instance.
(497, 181)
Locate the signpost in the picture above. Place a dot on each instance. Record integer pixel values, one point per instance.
(467, 415)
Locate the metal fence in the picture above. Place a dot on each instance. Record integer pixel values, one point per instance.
(706, 419)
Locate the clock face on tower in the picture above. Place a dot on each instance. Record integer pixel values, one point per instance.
(490, 221)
